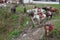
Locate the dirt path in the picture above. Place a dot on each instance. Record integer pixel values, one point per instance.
(31, 35)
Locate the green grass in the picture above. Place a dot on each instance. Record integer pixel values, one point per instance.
(22, 23)
(8, 21)
(20, 9)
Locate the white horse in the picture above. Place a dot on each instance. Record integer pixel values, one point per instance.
(36, 16)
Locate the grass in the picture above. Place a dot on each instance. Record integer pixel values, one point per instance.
(20, 9)
(9, 21)
(22, 25)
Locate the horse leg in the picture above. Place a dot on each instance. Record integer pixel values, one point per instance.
(32, 19)
(47, 16)
(50, 16)
(38, 19)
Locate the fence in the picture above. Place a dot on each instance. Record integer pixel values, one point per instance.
(40, 2)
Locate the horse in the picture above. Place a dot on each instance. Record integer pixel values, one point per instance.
(49, 14)
(36, 15)
(46, 8)
(52, 9)
(33, 14)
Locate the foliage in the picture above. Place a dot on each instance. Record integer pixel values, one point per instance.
(13, 34)
(54, 32)
(20, 9)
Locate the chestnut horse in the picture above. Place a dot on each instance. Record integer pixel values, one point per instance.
(52, 9)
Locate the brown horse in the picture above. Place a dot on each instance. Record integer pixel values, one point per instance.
(52, 9)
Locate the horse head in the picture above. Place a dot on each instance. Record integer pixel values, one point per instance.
(31, 14)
